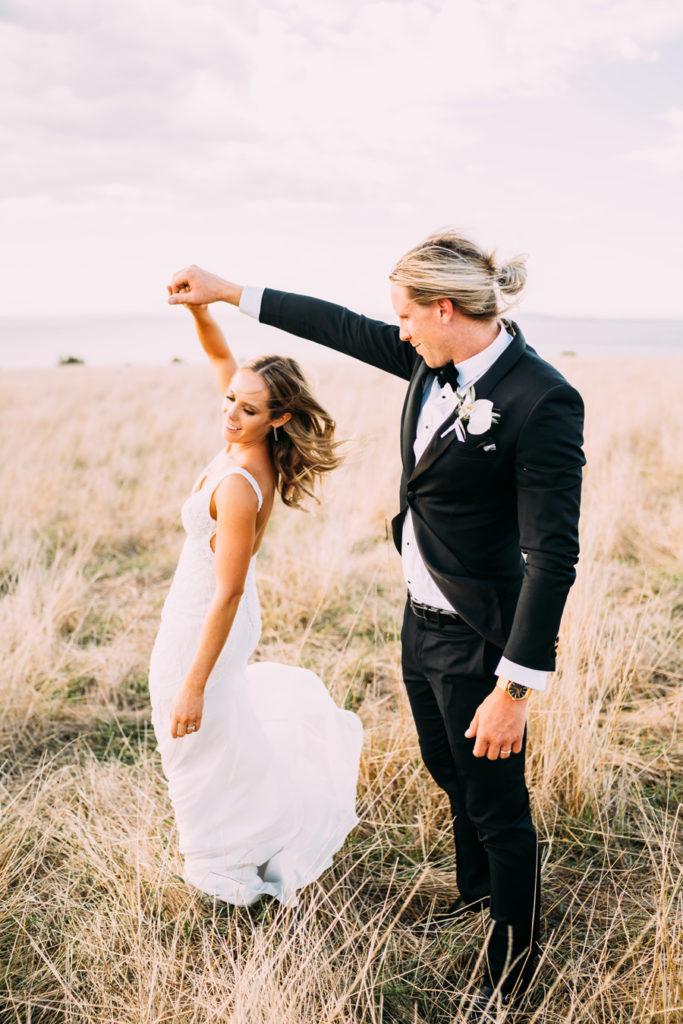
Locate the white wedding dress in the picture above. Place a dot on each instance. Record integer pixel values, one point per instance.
(264, 792)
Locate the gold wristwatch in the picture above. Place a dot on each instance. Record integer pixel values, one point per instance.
(514, 690)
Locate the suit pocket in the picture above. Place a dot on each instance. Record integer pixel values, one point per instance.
(476, 446)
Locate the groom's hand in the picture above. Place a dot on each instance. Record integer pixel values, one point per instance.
(193, 286)
(498, 724)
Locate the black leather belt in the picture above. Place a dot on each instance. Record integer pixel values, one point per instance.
(432, 614)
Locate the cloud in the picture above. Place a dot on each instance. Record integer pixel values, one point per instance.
(92, 101)
(292, 99)
(667, 154)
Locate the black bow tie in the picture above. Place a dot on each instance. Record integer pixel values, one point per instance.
(448, 374)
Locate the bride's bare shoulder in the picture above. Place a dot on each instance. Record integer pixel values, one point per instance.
(262, 474)
(260, 469)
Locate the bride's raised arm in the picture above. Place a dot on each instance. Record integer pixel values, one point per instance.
(214, 344)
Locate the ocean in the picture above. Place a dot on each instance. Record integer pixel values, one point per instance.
(158, 339)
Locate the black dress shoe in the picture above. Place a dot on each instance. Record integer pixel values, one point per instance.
(458, 909)
(484, 1006)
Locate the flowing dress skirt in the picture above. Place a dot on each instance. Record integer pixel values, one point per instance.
(264, 792)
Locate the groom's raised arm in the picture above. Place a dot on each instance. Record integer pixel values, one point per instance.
(371, 341)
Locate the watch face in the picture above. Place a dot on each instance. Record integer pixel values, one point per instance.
(517, 691)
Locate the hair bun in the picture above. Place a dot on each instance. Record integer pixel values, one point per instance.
(511, 276)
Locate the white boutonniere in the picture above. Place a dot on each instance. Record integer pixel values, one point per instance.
(474, 415)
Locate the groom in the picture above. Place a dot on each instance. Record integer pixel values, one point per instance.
(491, 444)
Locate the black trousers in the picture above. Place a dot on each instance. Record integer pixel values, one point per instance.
(448, 670)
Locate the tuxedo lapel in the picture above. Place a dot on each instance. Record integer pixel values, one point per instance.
(483, 387)
(436, 446)
(409, 417)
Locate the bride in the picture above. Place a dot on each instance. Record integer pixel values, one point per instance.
(261, 764)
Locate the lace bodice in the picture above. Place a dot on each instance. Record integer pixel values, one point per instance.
(194, 581)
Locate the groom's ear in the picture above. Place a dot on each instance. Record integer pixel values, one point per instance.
(446, 309)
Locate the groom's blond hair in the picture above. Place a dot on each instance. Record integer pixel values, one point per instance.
(448, 266)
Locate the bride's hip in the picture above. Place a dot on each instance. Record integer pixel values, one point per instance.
(175, 648)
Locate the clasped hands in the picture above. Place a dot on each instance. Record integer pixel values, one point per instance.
(498, 725)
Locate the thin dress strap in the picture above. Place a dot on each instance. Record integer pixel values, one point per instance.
(244, 473)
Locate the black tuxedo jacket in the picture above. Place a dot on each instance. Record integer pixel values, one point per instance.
(476, 511)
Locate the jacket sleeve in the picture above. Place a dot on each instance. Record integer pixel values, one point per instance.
(548, 472)
(326, 323)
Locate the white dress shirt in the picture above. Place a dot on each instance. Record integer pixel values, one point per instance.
(437, 404)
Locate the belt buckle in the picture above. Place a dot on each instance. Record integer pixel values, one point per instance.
(430, 613)
(433, 615)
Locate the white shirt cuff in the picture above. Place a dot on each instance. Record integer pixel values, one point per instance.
(250, 301)
(536, 678)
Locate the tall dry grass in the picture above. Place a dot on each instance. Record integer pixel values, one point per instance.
(95, 924)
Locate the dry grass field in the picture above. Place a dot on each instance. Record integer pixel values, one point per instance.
(95, 924)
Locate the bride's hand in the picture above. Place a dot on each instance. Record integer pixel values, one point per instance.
(187, 711)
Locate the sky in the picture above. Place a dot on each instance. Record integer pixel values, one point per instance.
(306, 144)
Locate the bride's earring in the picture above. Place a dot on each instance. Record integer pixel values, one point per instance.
(275, 433)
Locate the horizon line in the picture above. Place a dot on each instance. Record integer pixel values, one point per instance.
(511, 314)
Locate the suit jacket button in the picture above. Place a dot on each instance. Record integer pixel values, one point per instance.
(411, 494)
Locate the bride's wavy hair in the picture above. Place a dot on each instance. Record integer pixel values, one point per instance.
(305, 448)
